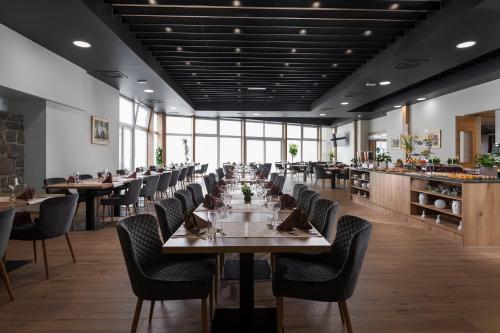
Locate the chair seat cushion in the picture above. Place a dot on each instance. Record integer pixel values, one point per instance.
(24, 232)
(294, 269)
(115, 199)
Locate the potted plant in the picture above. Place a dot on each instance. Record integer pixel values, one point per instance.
(186, 149)
(383, 157)
(407, 145)
(159, 157)
(452, 160)
(293, 149)
(354, 162)
(247, 193)
(331, 156)
(488, 163)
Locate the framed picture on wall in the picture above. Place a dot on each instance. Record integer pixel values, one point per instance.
(394, 142)
(100, 131)
(434, 136)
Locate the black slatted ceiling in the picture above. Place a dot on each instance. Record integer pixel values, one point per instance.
(297, 50)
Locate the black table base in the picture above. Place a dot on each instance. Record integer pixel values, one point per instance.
(262, 270)
(334, 180)
(228, 321)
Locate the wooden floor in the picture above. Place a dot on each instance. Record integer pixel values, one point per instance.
(412, 281)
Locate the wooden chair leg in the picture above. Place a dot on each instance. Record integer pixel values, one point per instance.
(341, 313)
(347, 319)
(5, 278)
(279, 314)
(34, 251)
(151, 310)
(137, 315)
(45, 259)
(70, 247)
(204, 316)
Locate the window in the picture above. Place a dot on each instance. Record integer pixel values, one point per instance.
(206, 151)
(179, 125)
(255, 151)
(254, 129)
(205, 126)
(309, 151)
(230, 128)
(141, 148)
(274, 130)
(310, 132)
(175, 149)
(293, 131)
(126, 115)
(127, 148)
(126, 111)
(230, 150)
(273, 151)
(142, 119)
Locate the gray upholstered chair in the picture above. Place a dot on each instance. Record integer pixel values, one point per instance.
(297, 188)
(6, 220)
(56, 215)
(220, 173)
(274, 177)
(324, 217)
(327, 277)
(173, 181)
(197, 193)
(163, 184)
(213, 179)
(52, 181)
(189, 174)
(208, 185)
(306, 201)
(130, 197)
(319, 172)
(160, 277)
(280, 182)
(148, 191)
(182, 177)
(186, 199)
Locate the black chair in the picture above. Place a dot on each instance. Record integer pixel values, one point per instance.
(306, 201)
(189, 173)
(148, 191)
(173, 181)
(51, 181)
(56, 215)
(274, 177)
(324, 217)
(159, 277)
(163, 184)
(297, 188)
(344, 175)
(6, 220)
(196, 193)
(280, 181)
(130, 197)
(182, 177)
(186, 199)
(213, 178)
(208, 185)
(319, 172)
(121, 172)
(220, 173)
(327, 277)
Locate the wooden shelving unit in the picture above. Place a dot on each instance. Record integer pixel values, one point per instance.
(356, 174)
(452, 197)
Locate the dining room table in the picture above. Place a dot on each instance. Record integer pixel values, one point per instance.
(333, 171)
(246, 230)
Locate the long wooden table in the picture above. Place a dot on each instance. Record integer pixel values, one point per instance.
(246, 232)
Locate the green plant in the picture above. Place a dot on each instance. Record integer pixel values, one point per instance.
(487, 160)
(434, 160)
(186, 149)
(452, 160)
(159, 156)
(407, 144)
(354, 161)
(383, 156)
(247, 191)
(331, 156)
(293, 149)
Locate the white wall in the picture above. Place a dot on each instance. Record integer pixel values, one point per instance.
(497, 126)
(326, 143)
(346, 153)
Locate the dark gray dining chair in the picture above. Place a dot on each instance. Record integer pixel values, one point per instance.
(297, 188)
(280, 182)
(52, 181)
(173, 181)
(220, 173)
(327, 277)
(182, 177)
(163, 184)
(274, 177)
(306, 201)
(189, 174)
(56, 215)
(159, 277)
(197, 193)
(6, 220)
(319, 172)
(130, 197)
(186, 199)
(148, 191)
(208, 184)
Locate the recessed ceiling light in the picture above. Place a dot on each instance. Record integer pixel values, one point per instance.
(303, 31)
(238, 64)
(397, 106)
(385, 83)
(281, 75)
(194, 74)
(179, 48)
(152, 2)
(394, 6)
(168, 29)
(173, 108)
(465, 45)
(236, 3)
(238, 74)
(287, 64)
(322, 114)
(205, 96)
(294, 50)
(335, 65)
(142, 81)
(420, 99)
(315, 83)
(198, 82)
(255, 114)
(237, 30)
(344, 103)
(149, 91)
(81, 43)
(323, 75)
(370, 84)
(367, 33)
(188, 63)
(359, 116)
(348, 51)
(237, 49)
(316, 4)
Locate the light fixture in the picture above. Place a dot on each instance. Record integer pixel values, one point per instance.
(294, 50)
(173, 108)
(335, 65)
(466, 44)
(367, 33)
(188, 63)
(198, 82)
(370, 84)
(316, 4)
(359, 116)
(303, 31)
(191, 113)
(236, 3)
(194, 74)
(394, 6)
(397, 106)
(255, 114)
(237, 49)
(205, 96)
(142, 81)
(179, 48)
(256, 88)
(385, 83)
(168, 29)
(287, 64)
(322, 114)
(81, 43)
(281, 75)
(238, 64)
(237, 30)
(238, 74)
(344, 103)
(152, 2)
(149, 91)
(348, 51)
(420, 99)
(323, 75)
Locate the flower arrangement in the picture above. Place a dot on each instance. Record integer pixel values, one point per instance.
(159, 156)
(247, 193)
(186, 149)
(383, 157)
(407, 144)
(452, 160)
(331, 156)
(293, 149)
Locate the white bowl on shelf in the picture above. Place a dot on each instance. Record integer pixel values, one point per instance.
(439, 203)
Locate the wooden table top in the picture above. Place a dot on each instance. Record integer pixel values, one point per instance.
(97, 184)
(246, 231)
(6, 204)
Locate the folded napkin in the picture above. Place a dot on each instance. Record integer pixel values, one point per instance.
(137, 169)
(287, 201)
(216, 192)
(28, 194)
(211, 202)
(268, 184)
(132, 175)
(221, 183)
(229, 175)
(298, 219)
(161, 170)
(100, 174)
(191, 222)
(108, 179)
(274, 191)
(147, 173)
(71, 179)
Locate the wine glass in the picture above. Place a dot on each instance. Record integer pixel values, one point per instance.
(275, 206)
(212, 231)
(260, 192)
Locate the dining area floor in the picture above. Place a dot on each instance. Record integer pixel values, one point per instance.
(411, 281)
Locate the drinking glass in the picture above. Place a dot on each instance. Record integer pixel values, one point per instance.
(275, 206)
(221, 215)
(211, 230)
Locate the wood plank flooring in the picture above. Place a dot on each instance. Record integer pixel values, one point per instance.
(412, 281)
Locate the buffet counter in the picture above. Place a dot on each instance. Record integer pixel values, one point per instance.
(463, 209)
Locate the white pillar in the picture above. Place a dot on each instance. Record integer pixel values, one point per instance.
(497, 126)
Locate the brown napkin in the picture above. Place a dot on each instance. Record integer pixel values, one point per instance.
(161, 170)
(71, 179)
(221, 183)
(100, 175)
(132, 175)
(298, 219)
(268, 184)
(287, 201)
(274, 191)
(229, 175)
(191, 222)
(28, 194)
(211, 202)
(147, 173)
(108, 179)
(137, 169)
(216, 191)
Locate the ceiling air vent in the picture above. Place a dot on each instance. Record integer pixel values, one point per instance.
(352, 94)
(409, 63)
(112, 74)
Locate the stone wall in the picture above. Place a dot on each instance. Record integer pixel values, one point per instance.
(11, 149)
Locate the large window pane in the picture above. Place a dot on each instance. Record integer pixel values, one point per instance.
(310, 132)
(255, 151)
(141, 146)
(206, 151)
(274, 130)
(155, 121)
(127, 148)
(230, 150)
(293, 131)
(229, 127)
(254, 129)
(142, 117)
(289, 157)
(175, 149)
(309, 151)
(205, 126)
(126, 111)
(273, 151)
(179, 125)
